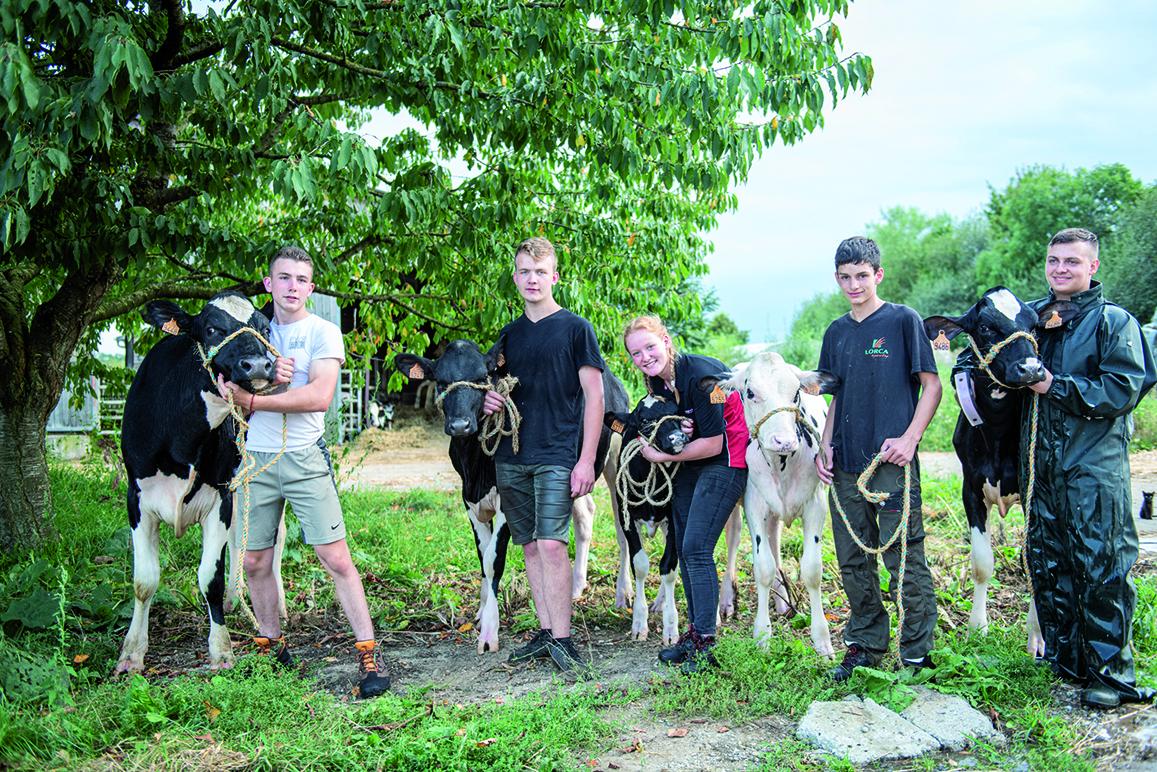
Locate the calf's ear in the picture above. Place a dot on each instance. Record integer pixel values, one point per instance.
(1056, 314)
(414, 366)
(616, 422)
(941, 329)
(816, 382)
(494, 357)
(167, 316)
(708, 383)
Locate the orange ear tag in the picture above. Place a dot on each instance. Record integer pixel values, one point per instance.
(940, 343)
(617, 426)
(416, 372)
(171, 327)
(717, 396)
(1054, 321)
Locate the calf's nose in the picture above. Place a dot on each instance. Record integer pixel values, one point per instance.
(256, 367)
(1031, 370)
(784, 444)
(458, 427)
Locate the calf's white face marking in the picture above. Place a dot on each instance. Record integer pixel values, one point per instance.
(1006, 303)
(239, 308)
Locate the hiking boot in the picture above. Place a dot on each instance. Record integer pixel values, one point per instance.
(700, 657)
(274, 647)
(1101, 697)
(567, 658)
(855, 657)
(680, 650)
(536, 648)
(374, 681)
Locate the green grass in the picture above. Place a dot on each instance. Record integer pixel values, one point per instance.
(65, 611)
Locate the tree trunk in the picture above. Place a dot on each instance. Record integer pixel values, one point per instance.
(25, 495)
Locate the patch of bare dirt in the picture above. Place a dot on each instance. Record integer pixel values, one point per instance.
(412, 455)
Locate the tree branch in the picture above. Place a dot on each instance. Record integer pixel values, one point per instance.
(163, 57)
(201, 290)
(195, 55)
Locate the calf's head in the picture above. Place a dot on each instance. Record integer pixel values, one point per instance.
(244, 360)
(645, 419)
(461, 361)
(769, 387)
(998, 315)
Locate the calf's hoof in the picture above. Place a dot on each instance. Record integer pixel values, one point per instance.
(488, 645)
(129, 665)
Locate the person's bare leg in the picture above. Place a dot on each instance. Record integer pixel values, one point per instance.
(347, 585)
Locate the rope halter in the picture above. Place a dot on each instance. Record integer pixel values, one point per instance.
(986, 360)
(800, 419)
(493, 427)
(657, 488)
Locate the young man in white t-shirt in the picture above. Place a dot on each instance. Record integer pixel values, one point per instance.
(312, 353)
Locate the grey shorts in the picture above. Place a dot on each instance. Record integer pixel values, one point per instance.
(304, 478)
(536, 500)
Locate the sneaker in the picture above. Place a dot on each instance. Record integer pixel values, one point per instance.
(536, 648)
(374, 681)
(680, 650)
(274, 647)
(854, 658)
(701, 656)
(567, 658)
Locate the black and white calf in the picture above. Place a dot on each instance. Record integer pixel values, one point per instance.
(782, 483)
(644, 420)
(635, 518)
(179, 452)
(987, 435)
(463, 360)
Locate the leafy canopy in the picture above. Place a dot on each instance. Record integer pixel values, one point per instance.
(153, 151)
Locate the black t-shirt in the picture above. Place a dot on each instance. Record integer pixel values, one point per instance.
(713, 417)
(877, 361)
(546, 356)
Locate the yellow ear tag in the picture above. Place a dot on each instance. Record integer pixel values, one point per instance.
(416, 372)
(171, 327)
(717, 396)
(940, 343)
(617, 426)
(1054, 321)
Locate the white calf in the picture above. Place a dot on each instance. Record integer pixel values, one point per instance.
(782, 483)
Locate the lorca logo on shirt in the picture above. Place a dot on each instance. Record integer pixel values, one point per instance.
(877, 350)
(297, 341)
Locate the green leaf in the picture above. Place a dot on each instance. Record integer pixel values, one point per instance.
(36, 611)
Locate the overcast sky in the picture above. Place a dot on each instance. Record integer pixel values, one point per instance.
(965, 94)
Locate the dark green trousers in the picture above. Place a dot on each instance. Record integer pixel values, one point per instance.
(868, 625)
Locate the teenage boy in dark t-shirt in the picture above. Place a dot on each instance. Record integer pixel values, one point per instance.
(887, 394)
(555, 356)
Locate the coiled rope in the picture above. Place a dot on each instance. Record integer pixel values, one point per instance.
(879, 497)
(247, 470)
(494, 426)
(657, 488)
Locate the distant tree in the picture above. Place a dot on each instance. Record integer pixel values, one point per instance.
(802, 347)
(724, 340)
(1129, 266)
(1041, 201)
(152, 151)
(929, 260)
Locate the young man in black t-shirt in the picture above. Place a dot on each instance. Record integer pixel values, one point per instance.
(555, 356)
(887, 395)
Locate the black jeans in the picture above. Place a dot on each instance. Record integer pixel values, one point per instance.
(704, 498)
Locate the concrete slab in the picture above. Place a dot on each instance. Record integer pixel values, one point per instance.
(951, 720)
(863, 732)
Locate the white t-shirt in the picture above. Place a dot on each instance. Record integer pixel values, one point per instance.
(305, 341)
